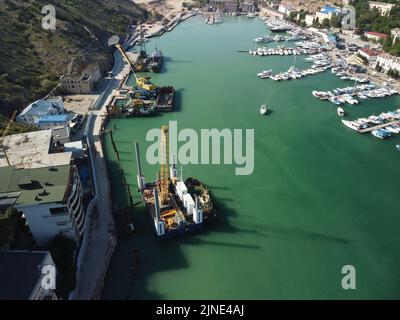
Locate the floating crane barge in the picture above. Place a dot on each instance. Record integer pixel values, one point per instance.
(173, 210)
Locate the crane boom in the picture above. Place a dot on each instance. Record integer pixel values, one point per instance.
(8, 127)
(164, 174)
(119, 47)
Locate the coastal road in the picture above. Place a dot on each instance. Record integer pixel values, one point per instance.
(99, 226)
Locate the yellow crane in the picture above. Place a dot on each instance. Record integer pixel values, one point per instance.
(164, 173)
(8, 127)
(141, 82)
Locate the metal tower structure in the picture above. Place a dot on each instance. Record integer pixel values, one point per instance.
(164, 172)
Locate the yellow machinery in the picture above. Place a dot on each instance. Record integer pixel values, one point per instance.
(164, 173)
(168, 214)
(119, 47)
(8, 127)
(143, 83)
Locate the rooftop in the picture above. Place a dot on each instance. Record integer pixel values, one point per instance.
(370, 52)
(20, 272)
(377, 34)
(55, 118)
(31, 150)
(44, 107)
(35, 186)
(329, 9)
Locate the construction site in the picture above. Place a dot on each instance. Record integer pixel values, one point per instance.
(174, 208)
(144, 98)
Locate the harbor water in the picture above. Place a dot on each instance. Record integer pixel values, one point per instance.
(321, 196)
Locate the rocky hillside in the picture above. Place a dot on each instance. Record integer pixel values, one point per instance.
(33, 59)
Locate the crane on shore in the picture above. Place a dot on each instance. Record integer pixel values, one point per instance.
(5, 132)
(141, 81)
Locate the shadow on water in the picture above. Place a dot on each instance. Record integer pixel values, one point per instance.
(128, 276)
(178, 100)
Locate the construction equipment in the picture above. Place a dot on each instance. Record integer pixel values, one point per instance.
(141, 82)
(164, 173)
(8, 127)
(146, 84)
(119, 47)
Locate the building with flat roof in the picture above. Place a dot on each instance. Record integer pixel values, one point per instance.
(41, 108)
(54, 121)
(376, 36)
(327, 12)
(49, 198)
(383, 7)
(286, 9)
(388, 62)
(369, 54)
(83, 83)
(309, 19)
(22, 275)
(32, 150)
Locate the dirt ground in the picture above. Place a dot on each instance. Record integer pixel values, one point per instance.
(165, 9)
(79, 103)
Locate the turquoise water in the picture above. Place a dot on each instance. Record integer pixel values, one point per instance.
(321, 196)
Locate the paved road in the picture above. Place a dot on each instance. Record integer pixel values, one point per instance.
(100, 224)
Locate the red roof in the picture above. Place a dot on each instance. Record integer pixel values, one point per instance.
(370, 52)
(377, 34)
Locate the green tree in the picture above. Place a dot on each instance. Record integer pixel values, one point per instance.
(8, 225)
(63, 251)
(326, 23)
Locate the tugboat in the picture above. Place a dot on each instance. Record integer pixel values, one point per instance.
(156, 61)
(200, 192)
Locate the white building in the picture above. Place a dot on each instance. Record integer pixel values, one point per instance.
(388, 62)
(21, 275)
(50, 199)
(50, 107)
(369, 54)
(50, 122)
(286, 9)
(309, 20)
(395, 33)
(327, 12)
(83, 83)
(384, 8)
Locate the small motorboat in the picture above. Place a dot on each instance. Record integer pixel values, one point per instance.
(263, 109)
(398, 147)
(340, 112)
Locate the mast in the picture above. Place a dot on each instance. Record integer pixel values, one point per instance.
(164, 172)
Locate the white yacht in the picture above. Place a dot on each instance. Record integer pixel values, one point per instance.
(265, 73)
(263, 109)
